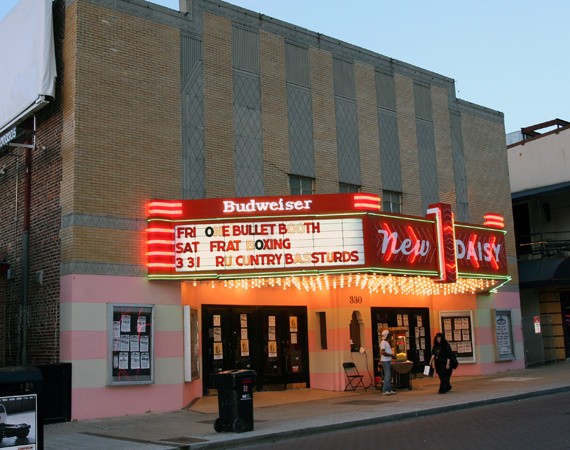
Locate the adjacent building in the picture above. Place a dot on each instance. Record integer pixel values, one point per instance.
(539, 167)
(211, 188)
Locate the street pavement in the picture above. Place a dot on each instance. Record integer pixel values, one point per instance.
(280, 415)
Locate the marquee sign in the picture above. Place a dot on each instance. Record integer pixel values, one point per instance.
(225, 238)
(268, 245)
(480, 250)
(401, 243)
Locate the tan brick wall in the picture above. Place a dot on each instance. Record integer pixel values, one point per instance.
(69, 54)
(488, 177)
(368, 136)
(324, 123)
(412, 201)
(128, 113)
(443, 146)
(218, 107)
(274, 119)
(124, 92)
(105, 245)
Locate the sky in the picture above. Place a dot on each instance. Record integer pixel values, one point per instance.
(507, 55)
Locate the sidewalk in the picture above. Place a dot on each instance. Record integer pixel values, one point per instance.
(282, 414)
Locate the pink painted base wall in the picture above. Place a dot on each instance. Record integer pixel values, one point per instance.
(84, 337)
(84, 343)
(92, 403)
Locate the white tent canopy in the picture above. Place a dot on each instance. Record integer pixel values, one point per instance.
(27, 56)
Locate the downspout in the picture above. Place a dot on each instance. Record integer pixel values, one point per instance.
(26, 243)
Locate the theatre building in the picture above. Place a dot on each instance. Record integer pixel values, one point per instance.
(216, 189)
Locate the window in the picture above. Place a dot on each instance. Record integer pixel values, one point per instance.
(300, 185)
(392, 201)
(345, 188)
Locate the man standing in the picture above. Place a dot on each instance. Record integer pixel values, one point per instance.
(386, 357)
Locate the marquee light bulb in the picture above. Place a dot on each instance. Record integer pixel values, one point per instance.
(373, 283)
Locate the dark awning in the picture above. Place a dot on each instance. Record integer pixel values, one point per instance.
(543, 190)
(546, 272)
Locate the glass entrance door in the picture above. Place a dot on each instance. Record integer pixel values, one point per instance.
(217, 343)
(285, 355)
(272, 341)
(244, 336)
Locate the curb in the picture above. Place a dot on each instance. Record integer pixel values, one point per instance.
(289, 434)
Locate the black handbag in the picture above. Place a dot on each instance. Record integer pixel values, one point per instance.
(453, 361)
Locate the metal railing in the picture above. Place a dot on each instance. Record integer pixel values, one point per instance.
(543, 245)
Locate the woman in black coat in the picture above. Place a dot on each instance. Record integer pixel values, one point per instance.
(441, 362)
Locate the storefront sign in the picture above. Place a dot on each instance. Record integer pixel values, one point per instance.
(480, 250)
(536, 322)
(445, 231)
(17, 135)
(401, 243)
(234, 208)
(8, 137)
(254, 206)
(318, 233)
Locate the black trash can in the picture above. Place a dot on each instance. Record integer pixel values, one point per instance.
(235, 400)
(20, 421)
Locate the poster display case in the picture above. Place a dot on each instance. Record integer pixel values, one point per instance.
(503, 336)
(131, 344)
(457, 327)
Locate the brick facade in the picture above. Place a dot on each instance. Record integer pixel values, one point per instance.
(411, 202)
(218, 106)
(274, 110)
(112, 141)
(323, 119)
(43, 314)
(368, 129)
